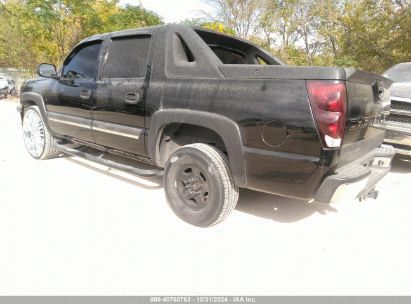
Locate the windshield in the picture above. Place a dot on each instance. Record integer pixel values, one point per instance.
(399, 73)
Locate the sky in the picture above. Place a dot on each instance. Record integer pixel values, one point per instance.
(173, 10)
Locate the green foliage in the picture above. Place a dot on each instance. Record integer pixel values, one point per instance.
(132, 17)
(368, 34)
(34, 31)
(212, 25)
(219, 27)
(375, 34)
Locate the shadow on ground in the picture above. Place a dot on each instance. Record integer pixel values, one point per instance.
(401, 164)
(277, 208)
(268, 206)
(155, 182)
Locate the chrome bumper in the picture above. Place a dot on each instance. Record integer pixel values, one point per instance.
(398, 135)
(367, 172)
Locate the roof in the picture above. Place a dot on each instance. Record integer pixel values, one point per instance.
(134, 31)
(151, 29)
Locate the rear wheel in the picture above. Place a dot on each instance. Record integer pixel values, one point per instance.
(38, 140)
(199, 186)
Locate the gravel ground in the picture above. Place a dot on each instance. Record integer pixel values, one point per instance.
(75, 228)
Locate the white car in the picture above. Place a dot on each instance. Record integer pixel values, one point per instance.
(4, 87)
(398, 123)
(12, 87)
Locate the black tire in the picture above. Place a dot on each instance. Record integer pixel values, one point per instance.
(199, 186)
(47, 149)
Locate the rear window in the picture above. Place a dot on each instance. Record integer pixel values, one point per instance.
(127, 57)
(235, 51)
(228, 56)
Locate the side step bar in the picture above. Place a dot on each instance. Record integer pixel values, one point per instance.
(109, 163)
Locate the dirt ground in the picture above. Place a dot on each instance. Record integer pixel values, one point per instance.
(69, 227)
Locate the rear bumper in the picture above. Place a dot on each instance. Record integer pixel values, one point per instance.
(397, 137)
(397, 134)
(402, 143)
(373, 167)
(400, 138)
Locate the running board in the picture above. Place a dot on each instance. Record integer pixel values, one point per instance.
(109, 163)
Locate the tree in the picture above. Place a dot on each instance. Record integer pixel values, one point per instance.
(278, 22)
(212, 25)
(376, 34)
(132, 17)
(368, 34)
(36, 31)
(219, 27)
(240, 15)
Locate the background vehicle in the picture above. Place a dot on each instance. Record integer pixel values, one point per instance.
(210, 113)
(398, 123)
(4, 87)
(12, 87)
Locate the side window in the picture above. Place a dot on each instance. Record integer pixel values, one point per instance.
(127, 57)
(83, 63)
(228, 56)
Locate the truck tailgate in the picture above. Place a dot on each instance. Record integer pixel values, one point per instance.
(368, 101)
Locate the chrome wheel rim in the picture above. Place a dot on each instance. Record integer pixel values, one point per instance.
(33, 133)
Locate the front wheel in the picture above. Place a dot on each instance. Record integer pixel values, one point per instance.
(199, 186)
(38, 140)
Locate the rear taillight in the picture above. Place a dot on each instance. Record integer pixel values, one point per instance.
(328, 104)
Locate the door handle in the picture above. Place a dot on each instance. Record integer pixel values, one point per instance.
(132, 98)
(85, 94)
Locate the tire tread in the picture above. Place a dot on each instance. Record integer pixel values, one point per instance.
(220, 160)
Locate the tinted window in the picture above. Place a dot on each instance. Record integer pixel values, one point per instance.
(235, 51)
(83, 63)
(127, 57)
(228, 56)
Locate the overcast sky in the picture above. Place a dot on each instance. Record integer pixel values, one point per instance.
(173, 10)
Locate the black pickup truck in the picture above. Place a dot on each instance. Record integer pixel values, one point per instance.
(210, 113)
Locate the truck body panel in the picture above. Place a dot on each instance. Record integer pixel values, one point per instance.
(259, 108)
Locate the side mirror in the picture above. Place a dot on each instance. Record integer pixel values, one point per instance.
(47, 70)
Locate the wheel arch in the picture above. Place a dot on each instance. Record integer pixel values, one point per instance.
(31, 99)
(224, 127)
